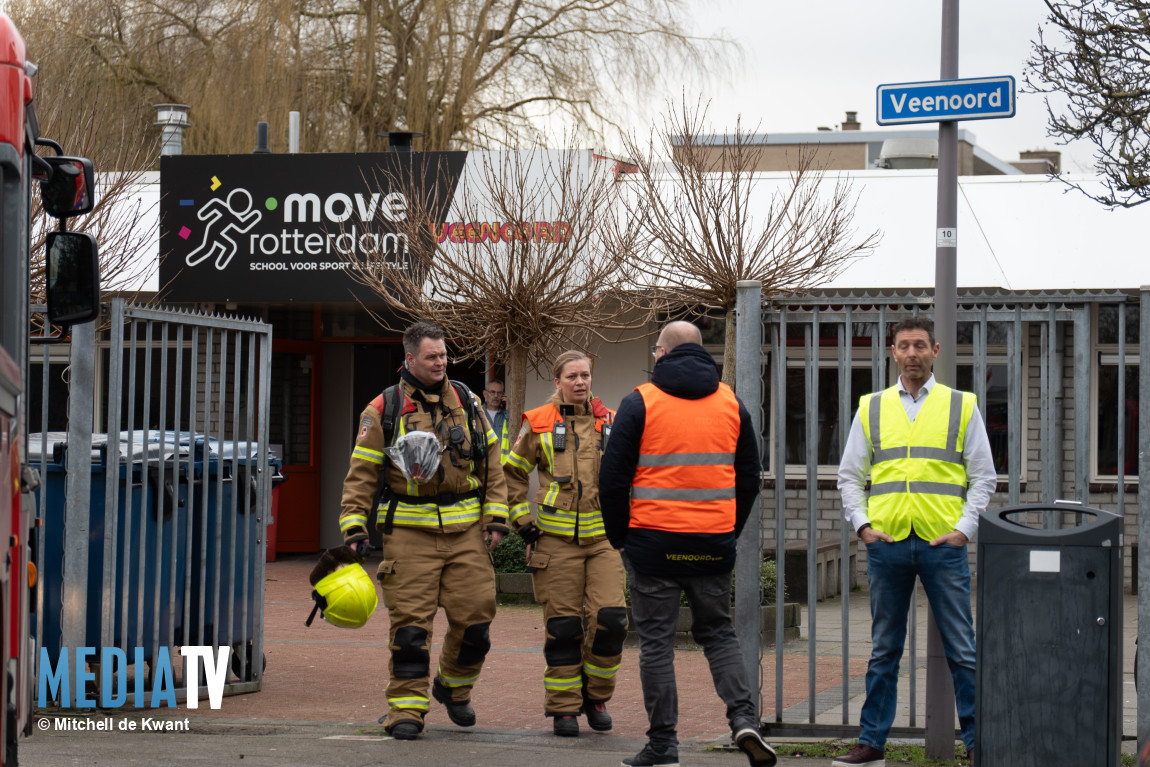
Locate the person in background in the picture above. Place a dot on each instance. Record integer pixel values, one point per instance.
(678, 481)
(578, 577)
(495, 404)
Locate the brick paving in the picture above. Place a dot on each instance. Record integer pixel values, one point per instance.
(327, 674)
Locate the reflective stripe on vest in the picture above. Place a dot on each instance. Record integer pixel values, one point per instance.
(685, 477)
(918, 480)
(562, 522)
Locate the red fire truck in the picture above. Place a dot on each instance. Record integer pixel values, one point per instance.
(66, 189)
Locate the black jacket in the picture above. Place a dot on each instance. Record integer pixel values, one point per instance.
(687, 372)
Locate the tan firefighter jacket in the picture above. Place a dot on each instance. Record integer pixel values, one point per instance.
(568, 496)
(451, 502)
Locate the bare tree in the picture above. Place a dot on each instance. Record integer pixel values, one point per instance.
(1096, 74)
(124, 219)
(465, 73)
(526, 260)
(89, 117)
(705, 229)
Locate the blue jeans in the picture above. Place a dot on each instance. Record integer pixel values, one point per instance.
(945, 574)
(655, 608)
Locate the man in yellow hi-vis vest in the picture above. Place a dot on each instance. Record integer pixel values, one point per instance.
(925, 448)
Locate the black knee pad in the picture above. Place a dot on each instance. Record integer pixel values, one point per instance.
(476, 642)
(409, 658)
(611, 632)
(562, 647)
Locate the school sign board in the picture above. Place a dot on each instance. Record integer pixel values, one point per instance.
(277, 228)
(982, 98)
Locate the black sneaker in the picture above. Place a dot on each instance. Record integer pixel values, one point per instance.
(459, 712)
(747, 737)
(597, 717)
(861, 756)
(649, 757)
(565, 726)
(405, 730)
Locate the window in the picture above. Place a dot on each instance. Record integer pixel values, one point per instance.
(830, 440)
(994, 410)
(290, 406)
(1109, 409)
(146, 392)
(57, 396)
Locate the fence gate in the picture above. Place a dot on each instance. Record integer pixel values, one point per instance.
(165, 546)
(1029, 357)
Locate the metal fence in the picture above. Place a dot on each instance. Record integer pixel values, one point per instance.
(1033, 360)
(159, 518)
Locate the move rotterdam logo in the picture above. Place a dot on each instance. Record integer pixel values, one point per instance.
(69, 673)
(288, 227)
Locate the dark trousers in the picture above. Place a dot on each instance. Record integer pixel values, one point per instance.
(655, 608)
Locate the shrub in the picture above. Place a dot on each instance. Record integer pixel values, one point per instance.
(510, 556)
(768, 582)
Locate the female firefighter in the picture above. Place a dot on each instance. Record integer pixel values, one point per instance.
(577, 575)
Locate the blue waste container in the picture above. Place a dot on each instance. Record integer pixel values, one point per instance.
(148, 591)
(227, 539)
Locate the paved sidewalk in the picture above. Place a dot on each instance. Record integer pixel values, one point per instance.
(328, 674)
(323, 692)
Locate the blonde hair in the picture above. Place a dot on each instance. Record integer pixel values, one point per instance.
(568, 356)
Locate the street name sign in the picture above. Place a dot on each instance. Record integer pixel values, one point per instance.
(981, 98)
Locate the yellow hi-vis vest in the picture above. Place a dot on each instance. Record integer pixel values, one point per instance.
(917, 481)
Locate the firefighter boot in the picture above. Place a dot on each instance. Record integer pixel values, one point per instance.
(566, 726)
(597, 717)
(404, 729)
(459, 712)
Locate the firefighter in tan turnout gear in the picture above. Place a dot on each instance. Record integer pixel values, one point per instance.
(578, 576)
(434, 532)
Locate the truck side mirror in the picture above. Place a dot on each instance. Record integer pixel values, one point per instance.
(73, 278)
(69, 188)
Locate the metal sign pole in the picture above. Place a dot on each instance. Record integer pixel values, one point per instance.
(939, 686)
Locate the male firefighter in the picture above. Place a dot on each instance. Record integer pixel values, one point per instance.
(434, 531)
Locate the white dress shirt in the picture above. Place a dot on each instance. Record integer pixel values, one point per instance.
(981, 477)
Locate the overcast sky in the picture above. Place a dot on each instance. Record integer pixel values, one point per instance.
(807, 63)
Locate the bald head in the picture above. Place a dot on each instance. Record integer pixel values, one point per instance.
(679, 332)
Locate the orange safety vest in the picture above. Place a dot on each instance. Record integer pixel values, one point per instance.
(685, 478)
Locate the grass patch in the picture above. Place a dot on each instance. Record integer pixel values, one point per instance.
(895, 753)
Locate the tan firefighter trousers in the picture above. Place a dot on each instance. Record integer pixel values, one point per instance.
(421, 572)
(581, 588)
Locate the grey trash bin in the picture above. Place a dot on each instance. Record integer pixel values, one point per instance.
(1049, 636)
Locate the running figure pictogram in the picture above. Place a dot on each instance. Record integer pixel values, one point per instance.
(211, 213)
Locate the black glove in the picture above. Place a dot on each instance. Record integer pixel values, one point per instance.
(529, 533)
(361, 547)
(495, 527)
